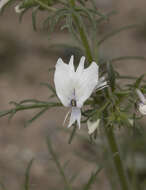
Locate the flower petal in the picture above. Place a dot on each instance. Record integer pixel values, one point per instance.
(71, 63)
(75, 116)
(3, 3)
(86, 83)
(63, 79)
(142, 108)
(80, 68)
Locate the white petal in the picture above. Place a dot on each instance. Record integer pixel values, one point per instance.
(71, 63)
(92, 126)
(142, 108)
(80, 68)
(75, 116)
(63, 79)
(86, 83)
(3, 3)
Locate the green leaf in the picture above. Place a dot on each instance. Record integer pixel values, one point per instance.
(74, 177)
(21, 15)
(31, 101)
(46, 22)
(72, 29)
(2, 186)
(92, 179)
(122, 58)
(12, 114)
(20, 107)
(81, 2)
(142, 58)
(35, 117)
(56, 17)
(138, 81)
(6, 112)
(116, 31)
(111, 75)
(107, 16)
(34, 12)
(50, 87)
(27, 175)
(97, 113)
(65, 165)
(93, 3)
(59, 167)
(28, 4)
(95, 11)
(88, 14)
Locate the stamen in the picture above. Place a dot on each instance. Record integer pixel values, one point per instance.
(73, 103)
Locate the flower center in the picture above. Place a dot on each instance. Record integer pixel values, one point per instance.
(73, 103)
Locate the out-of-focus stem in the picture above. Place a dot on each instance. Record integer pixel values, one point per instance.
(60, 169)
(73, 133)
(117, 159)
(83, 35)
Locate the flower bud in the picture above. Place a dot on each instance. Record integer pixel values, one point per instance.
(92, 126)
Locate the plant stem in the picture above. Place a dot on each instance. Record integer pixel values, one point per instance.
(109, 133)
(82, 35)
(60, 169)
(27, 175)
(72, 133)
(27, 107)
(117, 159)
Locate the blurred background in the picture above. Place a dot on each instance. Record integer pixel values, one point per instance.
(25, 59)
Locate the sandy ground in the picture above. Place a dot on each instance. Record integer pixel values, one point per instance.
(25, 58)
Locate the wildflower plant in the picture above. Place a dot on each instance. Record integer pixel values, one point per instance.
(104, 109)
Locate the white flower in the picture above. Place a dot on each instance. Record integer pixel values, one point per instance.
(142, 104)
(92, 126)
(73, 88)
(18, 8)
(3, 3)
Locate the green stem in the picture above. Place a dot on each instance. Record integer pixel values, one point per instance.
(27, 175)
(45, 6)
(72, 133)
(117, 159)
(83, 35)
(26, 107)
